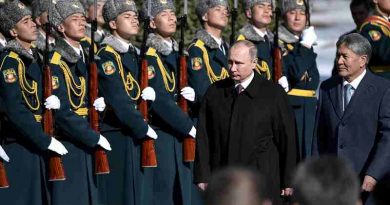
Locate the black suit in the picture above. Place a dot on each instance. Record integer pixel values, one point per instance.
(255, 129)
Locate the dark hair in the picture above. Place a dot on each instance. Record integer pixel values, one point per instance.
(324, 181)
(357, 43)
(355, 3)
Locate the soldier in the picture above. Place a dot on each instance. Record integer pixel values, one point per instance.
(40, 9)
(376, 29)
(21, 89)
(300, 71)
(171, 181)
(89, 6)
(207, 54)
(70, 83)
(123, 124)
(259, 14)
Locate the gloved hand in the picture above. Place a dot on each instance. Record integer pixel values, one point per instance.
(148, 94)
(3, 155)
(99, 104)
(284, 83)
(188, 93)
(57, 146)
(151, 133)
(309, 37)
(193, 132)
(52, 102)
(103, 142)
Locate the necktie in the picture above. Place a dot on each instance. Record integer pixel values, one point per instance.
(239, 89)
(348, 92)
(82, 55)
(222, 49)
(131, 49)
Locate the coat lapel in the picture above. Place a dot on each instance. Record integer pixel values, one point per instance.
(336, 99)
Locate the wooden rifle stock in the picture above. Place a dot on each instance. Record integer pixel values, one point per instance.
(56, 169)
(148, 152)
(3, 176)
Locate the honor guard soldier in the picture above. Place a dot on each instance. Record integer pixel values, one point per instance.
(376, 29)
(40, 9)
(208, 53)
(171, 180)
(21, 90)
(259, 14)
(123, 124)
(89, 6)
(70, 84)
(300, 74)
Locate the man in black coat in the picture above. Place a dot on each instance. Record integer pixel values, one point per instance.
(245, 120)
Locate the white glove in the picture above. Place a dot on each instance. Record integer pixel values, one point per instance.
(148, 94)
(188, 93)
(309, 37)
(151, 133)
(3, 155)
(103, 142)
(57, 146)
(99, 104)
(193, 132)
(52, 102)
(284, 83)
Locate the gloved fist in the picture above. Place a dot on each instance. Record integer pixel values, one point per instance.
(52, 102)
(309, 37)
(57, 146)
(103, 142)
(148, 94)
(188, 93)
(99, 104)
(3, 155)
(151, 133)
(192, 132)
(284, 83)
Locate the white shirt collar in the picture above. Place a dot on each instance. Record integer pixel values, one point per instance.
(218, 40)
(123, 43)
(100, 32)
(77, 50)
(246, 82)
(258, 31)
(355, 83)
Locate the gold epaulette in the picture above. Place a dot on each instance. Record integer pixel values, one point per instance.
(13, 55)
(377, 21)
(380, 69)
(81, 111)
(110, 49)
(56, 58)
(38, 118)
(151, 52)
(241, 37)
(302, 93)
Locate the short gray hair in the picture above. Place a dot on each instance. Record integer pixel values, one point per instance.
(251, 46)
(357, 43)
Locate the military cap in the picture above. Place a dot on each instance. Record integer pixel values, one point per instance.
(62, 9)
(88, 3)
(250, 3)
(11, 12)
(288, 5)
(39, 6)
(204, 5)
(113, 8)
(158, 6)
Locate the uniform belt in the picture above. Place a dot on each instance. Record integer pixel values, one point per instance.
(302, 93)
(82, 111)
(380, 69)
(38, 118)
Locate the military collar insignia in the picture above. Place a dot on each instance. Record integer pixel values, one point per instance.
(250, 34)
(114, 43)
(15, 46)
(157, 42)
(206, 38)
(286, 36)
(66, 51)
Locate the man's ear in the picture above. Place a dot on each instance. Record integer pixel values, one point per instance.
(112, 25)
(13, 33)
(152, 24)
(37, 20)
(363, 60)
(248, 13)
(205, 17)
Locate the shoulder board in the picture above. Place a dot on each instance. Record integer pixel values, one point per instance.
(88, 39)
(109, 49)
(199, 43)
(55, 59)
(376, 20)
(240, 37)
(13, 55)
(151, 52)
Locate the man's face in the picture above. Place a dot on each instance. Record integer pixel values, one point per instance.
(240, 63)
(25, 30)
(384, 5)
(164, 23)
(74, 26)
(296, 20)
(349, 64)
(217, 17)
(126, 24)
(99, 11)
(260, 14)
(359, 14)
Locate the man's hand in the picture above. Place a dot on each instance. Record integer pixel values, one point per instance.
(202, 186)
(3, 155)
(309, 37)
(148, 94)
(99, 104)
(368, 183)
(287, 192)
(103, 142)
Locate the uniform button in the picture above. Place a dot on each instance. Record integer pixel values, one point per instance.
(341, 146)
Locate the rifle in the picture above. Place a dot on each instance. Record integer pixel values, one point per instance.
(277, 52)
(101, 161)
(233, 13)
(3, 176)
(188, 141)
(56, 169)
(148, 152)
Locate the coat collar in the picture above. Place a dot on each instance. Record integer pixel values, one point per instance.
(15, 46)
(249, 32)
(157, 42)
(208, 40)
(286, 36)
(115, 44)
(252, 90)
(66, 51)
